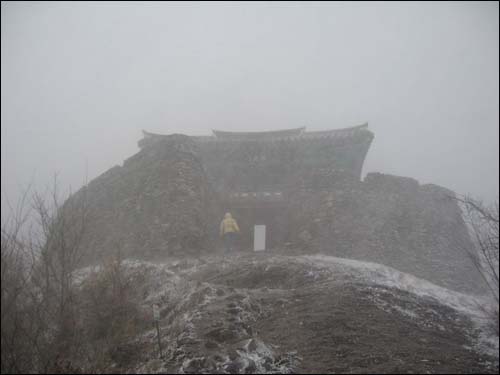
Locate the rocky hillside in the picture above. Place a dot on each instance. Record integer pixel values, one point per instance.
(269, 313)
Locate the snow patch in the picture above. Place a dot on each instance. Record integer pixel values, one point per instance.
(375, 273)
(392, 278)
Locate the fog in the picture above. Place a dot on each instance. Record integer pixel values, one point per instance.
(80, 81)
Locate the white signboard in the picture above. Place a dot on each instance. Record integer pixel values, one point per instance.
(156, 312)
(259, 238)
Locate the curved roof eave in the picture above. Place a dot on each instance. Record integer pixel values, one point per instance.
(282, 132)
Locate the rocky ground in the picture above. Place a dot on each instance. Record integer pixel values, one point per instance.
(270, 313)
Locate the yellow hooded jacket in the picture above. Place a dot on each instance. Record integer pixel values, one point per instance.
(228, 225)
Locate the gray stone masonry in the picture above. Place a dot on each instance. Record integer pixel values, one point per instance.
(169, 198)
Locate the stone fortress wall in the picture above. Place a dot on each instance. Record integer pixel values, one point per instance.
(159, 202)
(169, 198)
(391, 220)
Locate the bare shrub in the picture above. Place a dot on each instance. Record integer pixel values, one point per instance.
(110, 312)
(483, 223)
(16, 333)
(40, 249)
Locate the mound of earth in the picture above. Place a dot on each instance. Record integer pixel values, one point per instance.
(265, 313)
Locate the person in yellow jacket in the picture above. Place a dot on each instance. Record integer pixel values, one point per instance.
(228, 229)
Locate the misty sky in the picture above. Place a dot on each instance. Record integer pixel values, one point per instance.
(80, 81)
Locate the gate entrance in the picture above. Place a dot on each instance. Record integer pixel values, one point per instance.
(262, 208)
